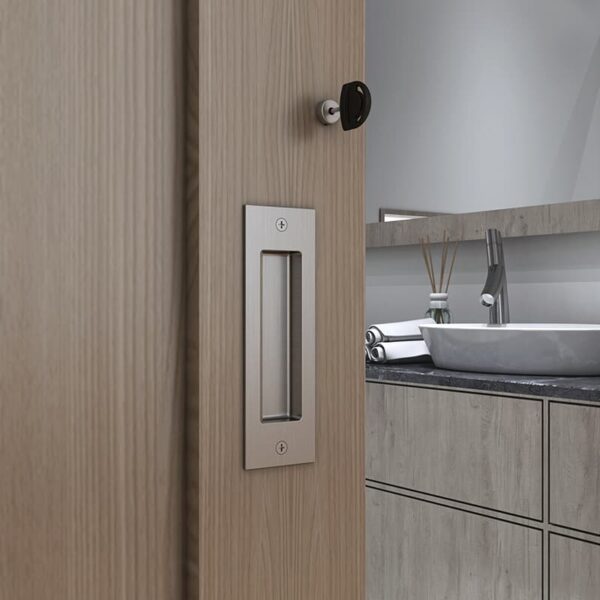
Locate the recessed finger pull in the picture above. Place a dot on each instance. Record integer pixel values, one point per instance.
(353, 108)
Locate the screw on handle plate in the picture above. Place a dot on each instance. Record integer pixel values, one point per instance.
(281, 447)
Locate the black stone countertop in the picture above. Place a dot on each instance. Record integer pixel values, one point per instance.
(572, 388)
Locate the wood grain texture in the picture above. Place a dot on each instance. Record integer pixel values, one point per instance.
(483, 450)
(575, 466)
(293, 533)
(544, 219)
(418, 550)
(574, 569)
(90, 300)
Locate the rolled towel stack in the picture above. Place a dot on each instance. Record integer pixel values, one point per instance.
(396, 342)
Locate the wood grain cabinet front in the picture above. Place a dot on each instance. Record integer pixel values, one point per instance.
(575, 467)
(422, 551)
(574, 569)
(482, 450)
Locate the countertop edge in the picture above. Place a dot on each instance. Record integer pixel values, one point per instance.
(561, 388)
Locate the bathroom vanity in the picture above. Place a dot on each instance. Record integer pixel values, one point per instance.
(481, 486)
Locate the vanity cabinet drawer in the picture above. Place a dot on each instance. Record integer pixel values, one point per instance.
(575, 466)
(574, 569)
(418, 550)
(478, 449)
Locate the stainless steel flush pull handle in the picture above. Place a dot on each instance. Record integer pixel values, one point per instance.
(280, 336)
(353, 108)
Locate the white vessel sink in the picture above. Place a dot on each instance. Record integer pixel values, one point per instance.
(521, 349)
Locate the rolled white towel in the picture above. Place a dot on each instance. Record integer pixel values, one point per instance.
(408, 351)
(396, 332)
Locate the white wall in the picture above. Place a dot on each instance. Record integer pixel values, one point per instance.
(480, 105)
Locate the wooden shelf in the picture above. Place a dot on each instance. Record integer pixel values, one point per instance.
(544, 219)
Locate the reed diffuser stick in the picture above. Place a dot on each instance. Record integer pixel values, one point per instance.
(427, 265)
(445, 272)
(444, 257)
(431, 264)
(451, 267)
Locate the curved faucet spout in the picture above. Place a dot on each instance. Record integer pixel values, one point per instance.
(493, 285)
(495, 291)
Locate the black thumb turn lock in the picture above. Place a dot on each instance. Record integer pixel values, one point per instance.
(353, 108)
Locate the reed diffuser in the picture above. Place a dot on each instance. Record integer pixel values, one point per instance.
(438, 299)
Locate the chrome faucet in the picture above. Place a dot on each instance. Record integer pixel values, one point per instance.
(495, 291)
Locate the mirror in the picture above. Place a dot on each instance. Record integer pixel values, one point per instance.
(388, 215)
(481, 105)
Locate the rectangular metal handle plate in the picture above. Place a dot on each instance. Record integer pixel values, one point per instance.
(280, 336)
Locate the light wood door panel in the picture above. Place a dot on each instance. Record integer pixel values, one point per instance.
(90, 300)
(422, 551)
(575, 466)
(483, 450)
(574, 569)
(257, 70)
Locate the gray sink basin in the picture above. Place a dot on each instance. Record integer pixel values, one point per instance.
(521, 349)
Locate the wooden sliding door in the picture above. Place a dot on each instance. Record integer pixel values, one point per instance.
(122, 185)
(256, 70)
(91, 260)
